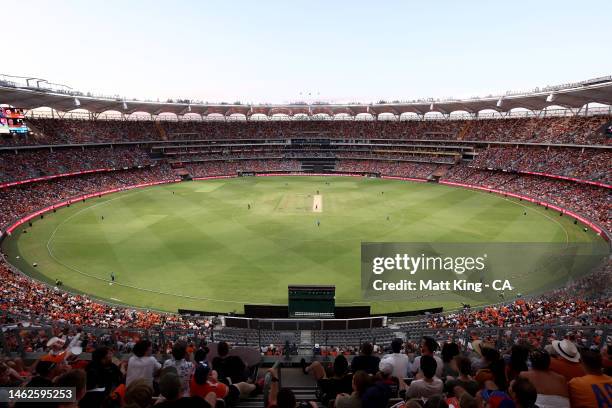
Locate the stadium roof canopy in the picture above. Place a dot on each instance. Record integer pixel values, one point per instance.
(573, 96)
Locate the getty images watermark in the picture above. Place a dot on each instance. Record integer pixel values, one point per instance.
(477, 271)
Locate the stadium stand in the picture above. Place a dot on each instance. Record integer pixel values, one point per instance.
(49, 335)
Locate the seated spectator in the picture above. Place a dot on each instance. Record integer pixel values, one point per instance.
(361, 381)
(550, 386)
(227, 366)
(430, 385)
(428, 347)
(523, 393)
(138, 395)
(76, 379)
(449, 352)
(493, 397)
(44, 374)
(465, 379)
(183, 367)
(398, 360)
(365, 360)
(142, 364)
(170, 390)
(331, 384)
(494, 369)
(567, 360)
(518, 361)
(103, 376)
(593, 389)
(205, 381)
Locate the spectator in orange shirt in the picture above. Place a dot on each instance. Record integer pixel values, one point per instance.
(567, 362)
(205, 380)
(593, 389)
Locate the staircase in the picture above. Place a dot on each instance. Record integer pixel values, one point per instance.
(162, 132)
(305, 339)
(464, 130)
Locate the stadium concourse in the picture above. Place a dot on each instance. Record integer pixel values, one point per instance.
(551, 347)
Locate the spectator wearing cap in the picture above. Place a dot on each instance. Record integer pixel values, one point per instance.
(142, 364)
(593, 389)
(57, 353)
(567, 360)
(551, 387)
(365, 360)
(398, 360)
(428, 386)
(428, 347)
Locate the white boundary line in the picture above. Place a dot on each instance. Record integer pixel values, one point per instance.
(49, 250)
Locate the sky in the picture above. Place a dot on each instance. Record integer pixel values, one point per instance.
(286, 51)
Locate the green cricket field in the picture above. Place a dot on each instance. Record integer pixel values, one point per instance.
(197, 245)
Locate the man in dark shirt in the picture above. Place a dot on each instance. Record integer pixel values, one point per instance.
(228, 366)
(365, 360)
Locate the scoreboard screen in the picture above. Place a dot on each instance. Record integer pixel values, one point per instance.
(12, 120)
(312, 301)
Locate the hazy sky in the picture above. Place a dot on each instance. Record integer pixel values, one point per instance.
(271, 51)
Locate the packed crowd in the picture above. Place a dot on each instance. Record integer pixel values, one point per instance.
(20, 200)
(584, 164)
(188, 377)
(221, 168)
(589, 200)
(389, 168)
(475, 374)
(431, 373)
(575, 129)
(586, 302)
(74, 131)
(18, 165)
(21, 296)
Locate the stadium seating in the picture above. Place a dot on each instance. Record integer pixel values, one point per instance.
(34, 314)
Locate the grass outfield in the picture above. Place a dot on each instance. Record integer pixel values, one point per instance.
(195, 245)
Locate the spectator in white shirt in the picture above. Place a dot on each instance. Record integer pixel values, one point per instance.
(399, 360)
(142, 364)
(183, 367)
(428, 348)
